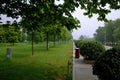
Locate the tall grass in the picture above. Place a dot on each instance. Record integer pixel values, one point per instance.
(44, 65)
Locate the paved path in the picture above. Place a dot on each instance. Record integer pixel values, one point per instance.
(82, 71)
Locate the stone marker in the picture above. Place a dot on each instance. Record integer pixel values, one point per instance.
(9, 54)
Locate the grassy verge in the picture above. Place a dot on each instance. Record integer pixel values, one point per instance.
(44, 65)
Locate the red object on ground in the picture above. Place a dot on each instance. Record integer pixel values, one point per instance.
(77, 53)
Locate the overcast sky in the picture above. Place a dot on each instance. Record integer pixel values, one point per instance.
(89, 25)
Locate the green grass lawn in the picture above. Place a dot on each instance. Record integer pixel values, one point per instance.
(44, 65)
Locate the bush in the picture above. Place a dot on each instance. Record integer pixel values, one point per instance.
(79, 43)
(90, 49)
(107, 66)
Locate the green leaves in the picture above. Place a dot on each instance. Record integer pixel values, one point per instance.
(71, 23)
(109, 64)
(100, 7)
(110, 32)
(2, 32)
(47, 12)
(90, 49)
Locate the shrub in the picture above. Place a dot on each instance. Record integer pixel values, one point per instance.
(90, 49)
(79, 43)
(107, 66)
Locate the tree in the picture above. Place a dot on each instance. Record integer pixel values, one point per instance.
(109, 28)
(100, 34)
(109, 32)
(11, 35)
(2, 33)
(65, 34)
(82, 37)
(116, 32)
(93, 7)
(31, 25)
(46, 12)
(56, 30)
(14, 8)
(17, 29)
(47, 31)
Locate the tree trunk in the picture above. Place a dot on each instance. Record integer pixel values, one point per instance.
(13, 44)
(47, 36)
(32, 43)
(54, 40)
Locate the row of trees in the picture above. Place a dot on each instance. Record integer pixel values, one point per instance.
(109, 33)
(41, 15)
(12, 34)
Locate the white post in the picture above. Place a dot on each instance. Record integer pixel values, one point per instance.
(9, 54)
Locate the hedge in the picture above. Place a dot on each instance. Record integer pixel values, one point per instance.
(107, 66)
(90, 49)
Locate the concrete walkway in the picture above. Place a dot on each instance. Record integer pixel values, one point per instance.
(81, 70)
